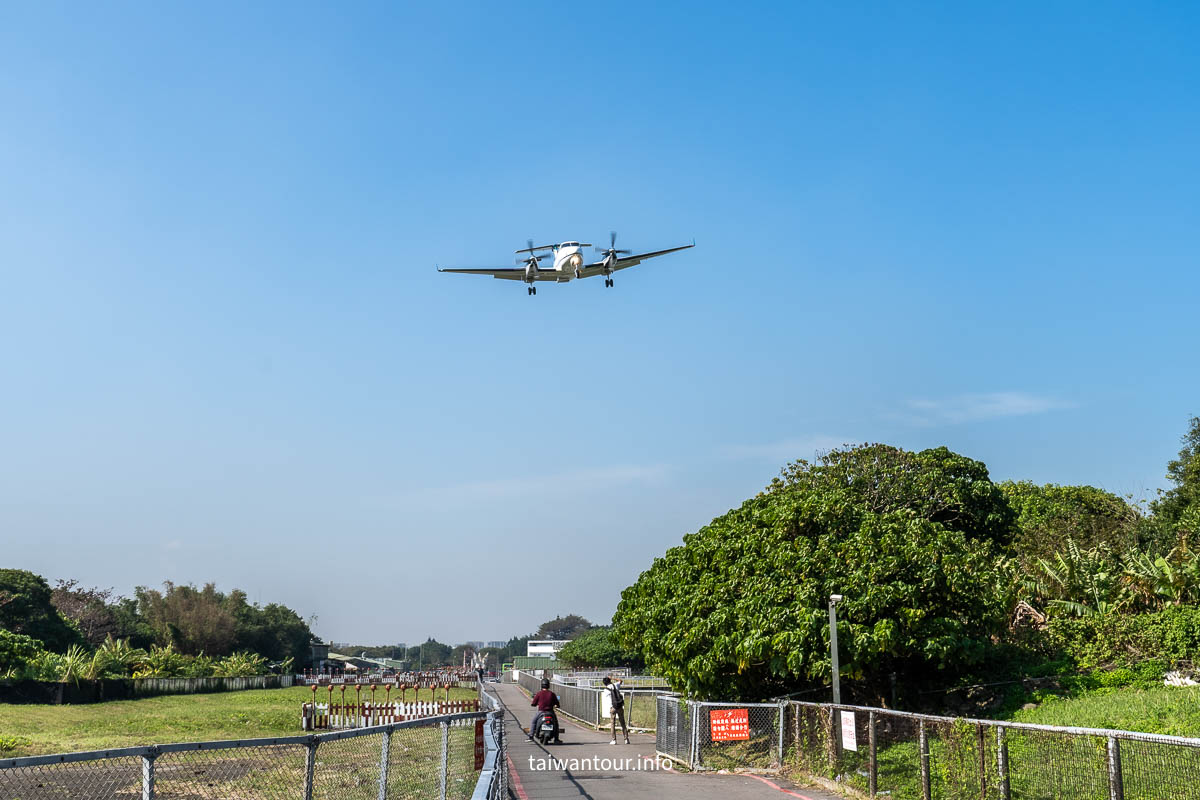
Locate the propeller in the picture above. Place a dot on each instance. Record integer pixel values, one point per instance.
(533, 258)
(612, 252)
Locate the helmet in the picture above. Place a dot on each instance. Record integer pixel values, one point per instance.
(545, 684)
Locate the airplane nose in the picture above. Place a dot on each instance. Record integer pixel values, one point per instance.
(575, 261)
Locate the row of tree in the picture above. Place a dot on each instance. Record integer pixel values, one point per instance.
(432, 653)
(933, 558)
(178, 630)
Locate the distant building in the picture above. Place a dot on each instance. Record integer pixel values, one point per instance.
(475, 645)
(320, 656)
(498, 645)
(545, 647)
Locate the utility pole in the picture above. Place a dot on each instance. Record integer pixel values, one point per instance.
(834, 599)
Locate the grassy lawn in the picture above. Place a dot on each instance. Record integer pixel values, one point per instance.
(1173, 710)
(252, 714)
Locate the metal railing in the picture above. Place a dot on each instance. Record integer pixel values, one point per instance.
(627, 682)
(585, 704)
(882, 753)
(493, 778)
(434, 757)
(899, 754)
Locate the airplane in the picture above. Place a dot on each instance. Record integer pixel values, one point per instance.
(568, 263)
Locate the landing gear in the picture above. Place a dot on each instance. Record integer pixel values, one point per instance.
(532, 290)
(608, 283)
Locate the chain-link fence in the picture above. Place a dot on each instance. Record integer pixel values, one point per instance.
(673, 734)
(706, 735)
(893, 754)
(452, 757)
(904, 756)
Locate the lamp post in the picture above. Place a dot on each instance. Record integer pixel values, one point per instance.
(834, 599)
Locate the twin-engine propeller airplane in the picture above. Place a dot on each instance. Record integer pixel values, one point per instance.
(568, 263)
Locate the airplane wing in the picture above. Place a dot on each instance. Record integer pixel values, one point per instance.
(624, 262)
(504, 273)
(509, 273)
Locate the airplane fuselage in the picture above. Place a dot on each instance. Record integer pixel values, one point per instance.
(568, 260)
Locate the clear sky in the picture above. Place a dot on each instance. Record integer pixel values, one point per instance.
(227, 355)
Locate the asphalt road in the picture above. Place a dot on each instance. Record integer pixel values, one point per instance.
(585, 765)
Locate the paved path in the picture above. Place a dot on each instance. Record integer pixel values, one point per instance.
(582, 773)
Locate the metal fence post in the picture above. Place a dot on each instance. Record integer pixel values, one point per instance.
(1116, 784)
(782, 715)
(831, 752)
(925, 789)
(502, 757)
(383, 763)
(310, 768)
(873, 764)
(1002, 762)
(983, 781)
(445, 757)
(148, 777)
(695, 743)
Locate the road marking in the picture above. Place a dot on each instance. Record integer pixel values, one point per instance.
(516, 779)
(778, 787)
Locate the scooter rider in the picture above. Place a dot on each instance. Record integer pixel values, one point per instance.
(545, 700)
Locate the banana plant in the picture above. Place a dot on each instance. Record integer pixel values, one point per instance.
(1081, 582)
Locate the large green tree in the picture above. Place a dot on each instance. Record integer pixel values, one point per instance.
(204, 620)
(1049, 516)
(598, 647)
(26, 608)
(914, 541)
(567, 627)
(1174, 505)
(193, 620)
(429, 654)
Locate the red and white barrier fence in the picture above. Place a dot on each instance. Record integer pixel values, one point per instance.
(337, 716)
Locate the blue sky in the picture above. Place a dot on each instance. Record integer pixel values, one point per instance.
(227, 355)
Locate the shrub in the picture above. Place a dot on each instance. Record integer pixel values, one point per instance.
(1168, 636)
(16, 651)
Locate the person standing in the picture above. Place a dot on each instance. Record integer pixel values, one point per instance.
(616, 708)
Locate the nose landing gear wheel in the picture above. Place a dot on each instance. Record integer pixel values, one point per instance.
(532, 290)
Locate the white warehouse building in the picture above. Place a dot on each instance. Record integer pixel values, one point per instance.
(544, 647)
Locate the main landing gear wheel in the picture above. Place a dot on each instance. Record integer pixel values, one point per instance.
(532, 290)
(608, 283)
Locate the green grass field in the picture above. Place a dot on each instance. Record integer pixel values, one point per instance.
(36, 729)
(1173, 710)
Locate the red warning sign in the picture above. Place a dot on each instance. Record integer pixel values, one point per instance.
(729, 724)
(480, 747)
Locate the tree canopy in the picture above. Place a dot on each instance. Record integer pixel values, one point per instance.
(567, 627)
(207, 621)
(598, 647)
(430, 653)
(1174, 505)
(1049, 516)
(26, 608)
(913, 541)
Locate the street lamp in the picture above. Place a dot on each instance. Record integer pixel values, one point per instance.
(834, 599)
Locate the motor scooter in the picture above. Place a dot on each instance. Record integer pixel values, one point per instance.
(547, 728)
